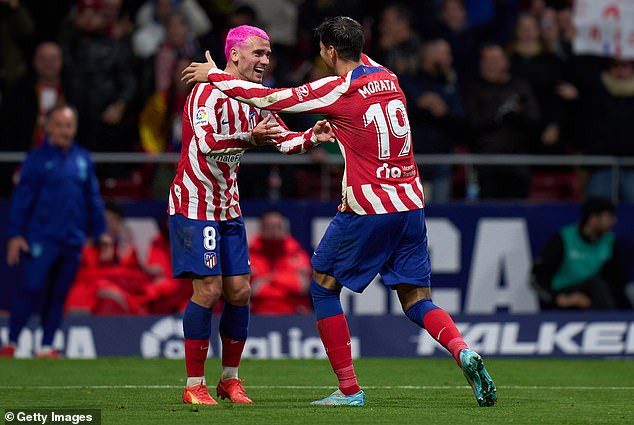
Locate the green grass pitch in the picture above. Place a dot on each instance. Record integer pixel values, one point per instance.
(399, 391)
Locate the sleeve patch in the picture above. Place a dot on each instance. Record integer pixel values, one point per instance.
(201, 117)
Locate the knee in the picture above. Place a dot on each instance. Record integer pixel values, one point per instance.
(239, 296)
(326, 281)
(323, 295)
(326, 301)
(206, 293)
(416, 312)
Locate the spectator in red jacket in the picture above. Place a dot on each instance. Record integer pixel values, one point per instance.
(280, 269)
(165, 295)
(114, 282)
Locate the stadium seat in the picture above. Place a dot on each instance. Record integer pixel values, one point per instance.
(555, 186)
(118, 188)
(308, 184)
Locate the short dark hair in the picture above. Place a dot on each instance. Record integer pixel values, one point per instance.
(344, 34)
(595, 206)
(61, 106)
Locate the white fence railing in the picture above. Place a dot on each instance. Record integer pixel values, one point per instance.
(467, 160)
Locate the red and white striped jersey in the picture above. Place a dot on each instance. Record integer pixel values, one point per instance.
(216, 133)
(366, 108)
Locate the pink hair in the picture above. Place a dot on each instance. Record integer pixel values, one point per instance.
(238, 36)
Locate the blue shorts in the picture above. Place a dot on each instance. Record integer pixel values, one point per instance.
(357, 247)
(208, 248)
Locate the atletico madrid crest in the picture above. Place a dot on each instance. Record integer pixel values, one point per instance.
(210, 259)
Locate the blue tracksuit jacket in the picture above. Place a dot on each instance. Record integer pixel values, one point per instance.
(57, 198)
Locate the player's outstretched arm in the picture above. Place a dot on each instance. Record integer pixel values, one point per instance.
(316, 97)
(320, 133)
(293, 142)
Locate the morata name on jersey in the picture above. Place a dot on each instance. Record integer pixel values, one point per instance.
(377, 86)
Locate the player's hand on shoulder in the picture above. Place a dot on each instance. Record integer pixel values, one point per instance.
(15, 246)
(266, 132)
(197, 72)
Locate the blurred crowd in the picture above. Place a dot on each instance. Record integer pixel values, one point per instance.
(490, 77)
(123, 281)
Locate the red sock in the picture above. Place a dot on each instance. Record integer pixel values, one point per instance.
(442, 328)
(195, 356)
(231, 351)
(335, 335)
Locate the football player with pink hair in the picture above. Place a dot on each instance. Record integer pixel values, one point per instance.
(207, 232)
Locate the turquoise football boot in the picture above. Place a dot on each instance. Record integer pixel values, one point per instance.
(340, 399)
(478, 377)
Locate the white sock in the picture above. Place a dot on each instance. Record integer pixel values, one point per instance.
(195, 380)
(229, 373)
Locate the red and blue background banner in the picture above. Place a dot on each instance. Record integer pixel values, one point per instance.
(581, 335)
(481, 255)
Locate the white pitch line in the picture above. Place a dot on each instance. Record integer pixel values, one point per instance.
(309, 387)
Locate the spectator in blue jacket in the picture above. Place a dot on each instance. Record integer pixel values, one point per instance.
(54, 206)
